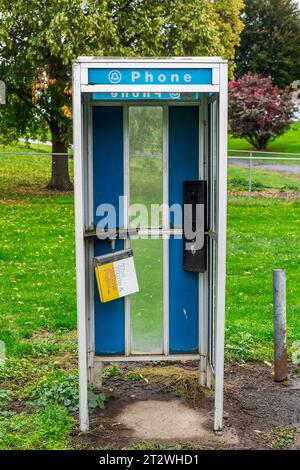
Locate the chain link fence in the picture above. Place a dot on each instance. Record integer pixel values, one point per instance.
(264, 173)
(249, 172)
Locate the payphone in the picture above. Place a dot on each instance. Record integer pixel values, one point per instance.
(195, 224)
(150, 179)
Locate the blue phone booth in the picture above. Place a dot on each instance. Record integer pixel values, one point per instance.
(150, 150)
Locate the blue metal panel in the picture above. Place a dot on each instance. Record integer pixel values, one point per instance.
(108, 159)
(183, 303)
(184, 292)
(108, 186)
(109, 316)
(150, 76)
(183, 152)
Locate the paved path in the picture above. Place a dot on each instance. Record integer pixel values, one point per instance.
(280, 167)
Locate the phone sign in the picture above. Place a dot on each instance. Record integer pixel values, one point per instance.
(151, 76)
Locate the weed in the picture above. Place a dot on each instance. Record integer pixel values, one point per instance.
(61, 388)
(48, 428)
(133, 375)
(241, 346)
(5, 398)
(279, 438)
(18, 371)
(56, 387)
(96, 400)
(149, 445)
(44, 348)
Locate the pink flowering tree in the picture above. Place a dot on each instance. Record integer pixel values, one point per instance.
(258, 110)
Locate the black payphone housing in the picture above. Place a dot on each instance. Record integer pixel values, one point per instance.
(195, 226)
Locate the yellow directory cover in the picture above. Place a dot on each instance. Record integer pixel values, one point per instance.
(117, 278)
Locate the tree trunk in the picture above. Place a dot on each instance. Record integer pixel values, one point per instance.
(60, 178)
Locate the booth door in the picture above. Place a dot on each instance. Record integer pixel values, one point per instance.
(147, 152)
(213, 157)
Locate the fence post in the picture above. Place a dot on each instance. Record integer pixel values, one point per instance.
(279, 305)
(299, 181)
(250, 177)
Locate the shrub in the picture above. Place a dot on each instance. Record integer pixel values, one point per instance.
(258, 110)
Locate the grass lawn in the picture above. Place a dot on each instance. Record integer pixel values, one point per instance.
(37, 296)
(266, 179)
(288, 142)
(262, 180)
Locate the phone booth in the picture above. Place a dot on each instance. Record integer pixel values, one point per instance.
(151, 133)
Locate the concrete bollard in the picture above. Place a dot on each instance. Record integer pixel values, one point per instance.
(279, 303)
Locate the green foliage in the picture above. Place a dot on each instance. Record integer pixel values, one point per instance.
(279, 438)
(111, 372)
(17, 370)
(258, 110)
(5, 397)
(177, 28)
(133, 375)
(38, 42)
(96, 400)
(47, 429)
(43, 348)
(270, 41)
(58, 387)
(61, 388)
(241, 347)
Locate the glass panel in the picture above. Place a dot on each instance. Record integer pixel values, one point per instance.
(147, 305)
(146, 186)
(145, 164)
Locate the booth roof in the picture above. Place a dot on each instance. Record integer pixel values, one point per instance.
(149, 59)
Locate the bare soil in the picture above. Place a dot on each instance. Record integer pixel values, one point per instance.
(258, 413)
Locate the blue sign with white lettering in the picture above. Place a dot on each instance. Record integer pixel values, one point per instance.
(150, 76)
(137, 96)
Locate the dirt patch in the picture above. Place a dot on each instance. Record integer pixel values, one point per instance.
(256, 410)
(255, 404)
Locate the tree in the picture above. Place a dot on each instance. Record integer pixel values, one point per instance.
(270, 41)
(258, 110)
(39, 40)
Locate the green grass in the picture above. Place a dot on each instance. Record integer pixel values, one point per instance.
(262, 180)
(47, 429)
(262, 236)
(288, 142)
(37, 292)
(238, 177)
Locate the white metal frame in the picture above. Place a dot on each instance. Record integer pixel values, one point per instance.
(221, 254)
(80, 251)
(83, 177)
